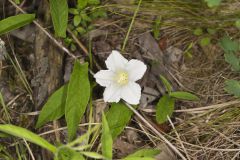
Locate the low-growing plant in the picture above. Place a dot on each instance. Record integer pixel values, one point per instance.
(165, 105)
(231, 48)
(83, 15)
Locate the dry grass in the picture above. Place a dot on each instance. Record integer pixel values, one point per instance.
(204, 130)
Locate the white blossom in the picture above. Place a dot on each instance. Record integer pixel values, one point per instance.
(120, 79)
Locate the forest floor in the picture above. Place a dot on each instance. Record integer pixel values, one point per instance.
(175, 39)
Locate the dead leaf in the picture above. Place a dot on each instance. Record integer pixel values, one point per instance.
(150, 47)
(132, 136)
(173, 56)
(96, 33)
(100, 106)
(148, 95)
(124, 148)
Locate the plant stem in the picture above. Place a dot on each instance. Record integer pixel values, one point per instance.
(131, 25)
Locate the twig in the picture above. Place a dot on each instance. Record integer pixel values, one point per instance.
(184, 149)
(29, 149)
(78, 42)
(215, 106)
(156, 132)
(59, 44)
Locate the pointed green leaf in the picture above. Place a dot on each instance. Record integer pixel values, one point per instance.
(77, 97)
(15, 22)
(54, 108)
(229, 45)
(76, 20)
(73, 11)
(165, 108)
(59, 13)
(213, 3)
(81, 4)
(118, 117)
(106, 139)
(198, 32)
(233, 60)
(93, 2)
(66, 153)
(233, 87)
(184, 96)
(166, 83)
(93, 155)
(205, 41)
(28, 135)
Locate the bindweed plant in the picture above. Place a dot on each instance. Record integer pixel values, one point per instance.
(72, 100)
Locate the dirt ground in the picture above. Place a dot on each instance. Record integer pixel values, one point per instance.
(203, 130)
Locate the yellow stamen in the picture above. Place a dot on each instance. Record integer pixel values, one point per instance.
(122, 78)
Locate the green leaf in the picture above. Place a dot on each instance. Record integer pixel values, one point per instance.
(118, 117)
(184, 95)
(144, 153)
(93, 155)
(233, 87)
(237, 23)
(83, 137)
(77, 97)
(17, 1)
(229, 45)
(80, 30)
(156, 28)
(81, 4)
(85, 17)
(213, 3)
(165, 108)
(76, 20)
(198, 32)
(73, 11)
(15, 22)
(28, 135)
(54, 108)
(98, 13)
(106, 139)
(59, 13)
(205, 41)
(93, 2)
(166, 83)
(73, 47)
(66, 153)
(233, 60)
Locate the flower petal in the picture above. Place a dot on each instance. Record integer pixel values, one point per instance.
(104, 77)
(116, 61)
(112, 93)
(136, 69)
(131, 93)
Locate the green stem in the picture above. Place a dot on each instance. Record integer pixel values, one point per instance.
(131, 25)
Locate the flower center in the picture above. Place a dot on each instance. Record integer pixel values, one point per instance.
(122, 78)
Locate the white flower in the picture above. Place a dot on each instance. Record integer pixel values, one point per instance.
(120, 78)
